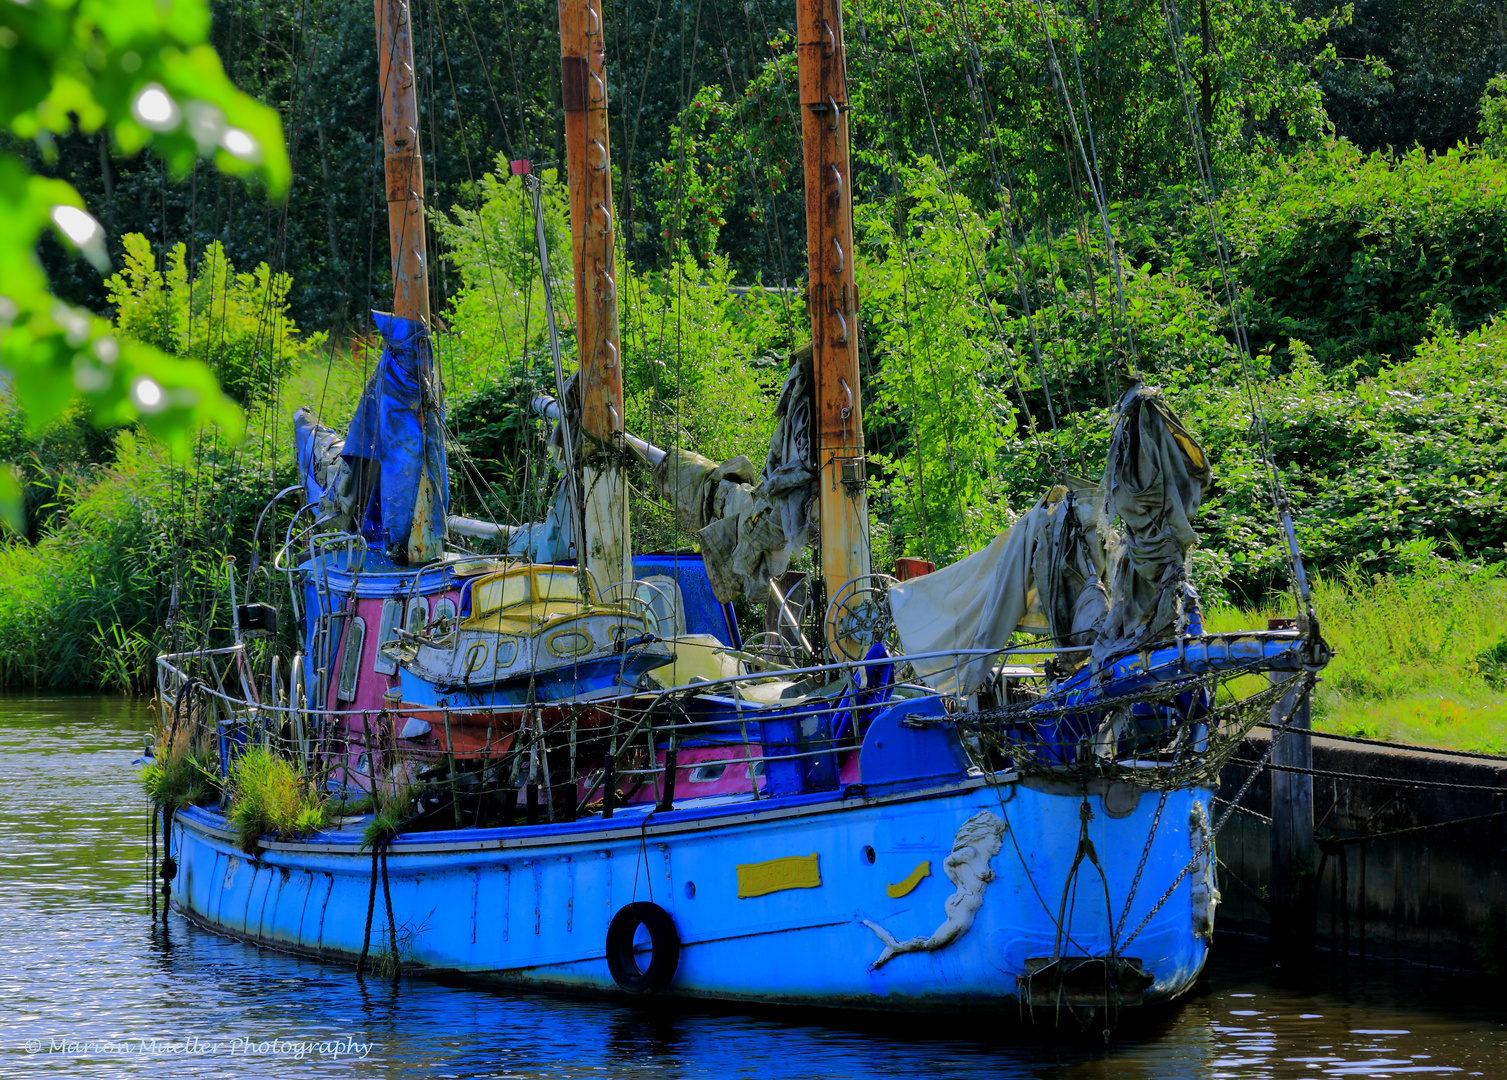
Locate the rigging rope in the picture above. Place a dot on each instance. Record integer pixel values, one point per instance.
(1237, 316)
(968, 246)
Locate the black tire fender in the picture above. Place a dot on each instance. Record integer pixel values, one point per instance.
(664, 948)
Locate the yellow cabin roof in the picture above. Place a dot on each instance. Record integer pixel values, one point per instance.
(525, 599)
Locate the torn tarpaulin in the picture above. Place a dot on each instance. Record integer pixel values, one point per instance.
(1154, 479)
(399, 425)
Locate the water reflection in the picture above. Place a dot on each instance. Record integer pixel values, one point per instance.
(98, 989)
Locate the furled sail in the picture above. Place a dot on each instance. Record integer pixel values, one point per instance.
(1045, 572)
(1050, 570)
(749, 524)
(1154, 479)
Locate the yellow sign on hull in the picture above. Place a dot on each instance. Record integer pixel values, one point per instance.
(777, 875)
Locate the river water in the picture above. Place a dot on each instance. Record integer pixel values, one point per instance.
(91, 985)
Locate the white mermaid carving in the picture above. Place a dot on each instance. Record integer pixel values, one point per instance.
(967, 867)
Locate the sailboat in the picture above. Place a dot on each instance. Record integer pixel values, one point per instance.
(895, 801)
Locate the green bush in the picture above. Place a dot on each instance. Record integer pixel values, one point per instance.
(702, 360)
(238, 324)
(1355, 253)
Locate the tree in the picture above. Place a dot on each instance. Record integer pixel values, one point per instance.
(139, 71)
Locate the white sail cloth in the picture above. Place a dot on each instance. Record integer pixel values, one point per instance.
(1044, 572)
(1047, 571)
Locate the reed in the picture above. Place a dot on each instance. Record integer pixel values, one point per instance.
(183, 770)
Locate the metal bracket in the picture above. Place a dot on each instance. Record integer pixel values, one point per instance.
(854, 473)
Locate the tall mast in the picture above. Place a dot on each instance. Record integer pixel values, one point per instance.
(832, 296)
(583, 93)
(405, 230)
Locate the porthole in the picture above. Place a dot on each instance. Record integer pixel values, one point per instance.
(418, 615)
(868, 853)
(387, 630)
(569, 643)
(476, 656)
(705, 774)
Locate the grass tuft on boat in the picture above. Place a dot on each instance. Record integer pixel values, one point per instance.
(176, 780)
(182, 770)
(270, 796)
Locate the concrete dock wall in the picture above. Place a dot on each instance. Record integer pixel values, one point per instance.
(1436, 897)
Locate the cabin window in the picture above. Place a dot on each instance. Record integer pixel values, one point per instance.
(568, 643)
(418, 615)
(350, 659)
(387, 630)
(444, 610)
(556, 585)
(662, 594)
(476, 656)
(499, 593)
(705, 774)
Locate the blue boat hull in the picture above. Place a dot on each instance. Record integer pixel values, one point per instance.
(530, 905)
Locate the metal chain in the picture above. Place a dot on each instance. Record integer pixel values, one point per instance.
(1208, 843)
(1135, 882)
(1033, 712)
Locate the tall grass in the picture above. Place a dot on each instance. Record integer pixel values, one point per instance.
(1419, 657)
(88, 604)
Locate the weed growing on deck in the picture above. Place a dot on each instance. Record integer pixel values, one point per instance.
(269, 795)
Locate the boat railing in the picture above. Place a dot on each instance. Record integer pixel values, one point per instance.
(644, 729)
(697, 687)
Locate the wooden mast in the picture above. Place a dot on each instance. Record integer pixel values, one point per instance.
(583, 93)
(832, 296)
(404, 170)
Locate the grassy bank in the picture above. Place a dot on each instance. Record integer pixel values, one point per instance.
(1420, 657)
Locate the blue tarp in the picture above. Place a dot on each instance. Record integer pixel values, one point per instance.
(310, 437)
(394, 427)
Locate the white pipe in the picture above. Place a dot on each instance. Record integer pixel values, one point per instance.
(549, 408)
(482, 530)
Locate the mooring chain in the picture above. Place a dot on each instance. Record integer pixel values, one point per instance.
(1135, 882)
(1236, 719)
(1033, 711)
(1277, 732)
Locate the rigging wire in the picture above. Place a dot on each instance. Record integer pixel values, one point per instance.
(902, 234)
(973, 262)
(1210, 191)
(1088, 152)
(973, 75)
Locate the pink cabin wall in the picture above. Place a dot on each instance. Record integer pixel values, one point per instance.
(371, 685)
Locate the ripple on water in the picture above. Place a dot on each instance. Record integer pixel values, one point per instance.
(82, 962)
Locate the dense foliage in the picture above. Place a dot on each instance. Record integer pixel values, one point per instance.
(997, 323)
(131, 73)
